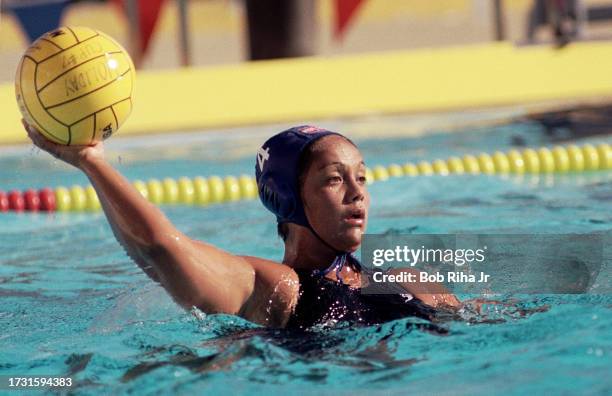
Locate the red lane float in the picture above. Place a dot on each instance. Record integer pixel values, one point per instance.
(32, 201)
(16, 201)
(47, 200)
(4, 203)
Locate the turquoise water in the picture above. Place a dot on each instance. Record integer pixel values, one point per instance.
(73, 304)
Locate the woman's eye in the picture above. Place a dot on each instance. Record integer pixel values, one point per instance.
(362, 179)
(334, 179)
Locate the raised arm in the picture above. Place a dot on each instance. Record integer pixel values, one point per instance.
(194, 273)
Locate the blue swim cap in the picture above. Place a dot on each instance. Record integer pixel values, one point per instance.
(276, 172)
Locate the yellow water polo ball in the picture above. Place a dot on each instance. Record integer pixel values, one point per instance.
(75, 85)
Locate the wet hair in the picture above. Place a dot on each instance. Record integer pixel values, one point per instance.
(306, 159)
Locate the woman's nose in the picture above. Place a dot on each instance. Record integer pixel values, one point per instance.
(356, 191)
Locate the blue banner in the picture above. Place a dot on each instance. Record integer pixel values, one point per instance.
(38, 17)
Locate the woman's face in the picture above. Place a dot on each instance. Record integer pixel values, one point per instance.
(334, 193)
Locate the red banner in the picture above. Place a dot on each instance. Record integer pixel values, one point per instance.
(148, 14)
(345, 12)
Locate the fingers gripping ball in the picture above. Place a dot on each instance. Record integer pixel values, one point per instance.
(75, 85)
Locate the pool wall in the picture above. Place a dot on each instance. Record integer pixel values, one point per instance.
(376, 83)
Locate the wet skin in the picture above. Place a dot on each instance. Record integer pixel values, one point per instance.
(198, 274)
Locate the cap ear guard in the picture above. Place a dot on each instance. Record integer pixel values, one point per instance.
(283, 205)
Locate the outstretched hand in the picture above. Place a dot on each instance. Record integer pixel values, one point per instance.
(73, 155)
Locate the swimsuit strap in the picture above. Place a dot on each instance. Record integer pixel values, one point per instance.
(339, 261)
(338, 264)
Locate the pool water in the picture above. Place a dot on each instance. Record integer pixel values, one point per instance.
(73, 304)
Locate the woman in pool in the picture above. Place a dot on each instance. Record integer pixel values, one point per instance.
(314, 181)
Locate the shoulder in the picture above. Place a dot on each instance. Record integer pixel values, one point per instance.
(274, 276)
(275, 293)
(271, 270)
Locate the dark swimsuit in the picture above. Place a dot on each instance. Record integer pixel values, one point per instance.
(323, 300)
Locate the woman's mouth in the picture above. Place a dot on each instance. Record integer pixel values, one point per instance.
(355, 218)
